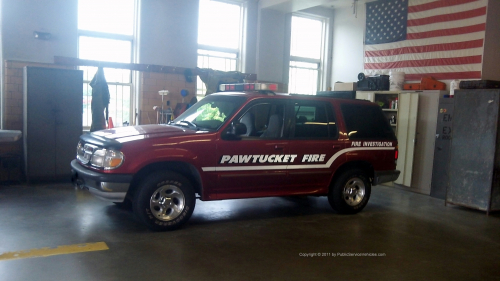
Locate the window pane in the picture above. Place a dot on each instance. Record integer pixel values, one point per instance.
(366, 122)
(303, 80)
(310, 122)
(110, 16)
(215, 60)
(112, 75)
(219, 24)
(119, 104)
(101, 49)
(217, 54)
(87, 100)
(304, 64)
(306, 38)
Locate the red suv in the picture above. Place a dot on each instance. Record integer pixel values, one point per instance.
(246, 144)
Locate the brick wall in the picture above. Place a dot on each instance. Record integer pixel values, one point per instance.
(152, 83)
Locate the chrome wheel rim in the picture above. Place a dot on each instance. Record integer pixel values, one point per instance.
(354, 191)
(167, 202)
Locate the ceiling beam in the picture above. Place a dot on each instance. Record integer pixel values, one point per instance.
(290, 6)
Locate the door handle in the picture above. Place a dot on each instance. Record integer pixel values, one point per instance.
(278, 147)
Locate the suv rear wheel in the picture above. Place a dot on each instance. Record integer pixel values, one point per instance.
(164, 201)
(350, 192)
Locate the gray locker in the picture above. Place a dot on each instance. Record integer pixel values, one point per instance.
(475, 154)
(53, 105)
(440, 172)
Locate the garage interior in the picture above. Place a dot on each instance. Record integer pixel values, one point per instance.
(412, 229)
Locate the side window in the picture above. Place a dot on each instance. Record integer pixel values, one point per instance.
(314, 120)
(263, 120)
(366, 122)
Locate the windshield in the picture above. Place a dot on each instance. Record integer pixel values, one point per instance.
(209, 113)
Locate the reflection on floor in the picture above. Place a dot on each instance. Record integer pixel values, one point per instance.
(399, 236)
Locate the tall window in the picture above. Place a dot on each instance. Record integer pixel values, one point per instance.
(220, 37)
(306, 55)
(106, 30)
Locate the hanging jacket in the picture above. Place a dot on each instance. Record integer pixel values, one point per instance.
(100, 101)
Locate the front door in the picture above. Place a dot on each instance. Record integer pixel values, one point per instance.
(254, 165)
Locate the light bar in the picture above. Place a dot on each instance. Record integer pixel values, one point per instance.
(248, 87)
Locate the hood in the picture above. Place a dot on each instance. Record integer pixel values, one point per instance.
(130, 133)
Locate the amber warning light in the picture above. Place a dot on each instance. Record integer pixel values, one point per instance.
(248, 87)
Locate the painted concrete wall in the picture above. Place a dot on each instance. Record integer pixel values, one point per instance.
(270, 45)
(168, 32)
(348, 33)
(21, 18)
(491, 56)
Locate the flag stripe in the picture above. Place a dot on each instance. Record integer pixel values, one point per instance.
(426, 48)
(445, 75)
(429, 55)
(462, 68)
(448, 17)
(447, 10)
(447, 32)
(423, 42)
(437, 4)
(447, 25)
(425, 62)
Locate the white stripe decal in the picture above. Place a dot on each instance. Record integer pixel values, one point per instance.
(293, 167)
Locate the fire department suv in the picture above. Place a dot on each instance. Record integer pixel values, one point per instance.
(246, 142)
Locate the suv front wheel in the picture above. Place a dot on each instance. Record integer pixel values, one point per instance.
(350, 192)
(164, 201)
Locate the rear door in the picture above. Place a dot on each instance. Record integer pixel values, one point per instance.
(314, 138)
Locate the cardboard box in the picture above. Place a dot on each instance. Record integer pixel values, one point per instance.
(351, 86)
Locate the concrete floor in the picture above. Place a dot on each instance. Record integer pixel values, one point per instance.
(254, 239)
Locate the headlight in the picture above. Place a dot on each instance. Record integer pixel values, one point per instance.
(107, 158)
(99, 157)
(113, 159)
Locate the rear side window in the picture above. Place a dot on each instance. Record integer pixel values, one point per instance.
(314, 120)
(366, 122)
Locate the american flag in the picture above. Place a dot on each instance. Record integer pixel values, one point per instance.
(442, 39)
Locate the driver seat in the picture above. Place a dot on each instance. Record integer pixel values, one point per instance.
(248, 120)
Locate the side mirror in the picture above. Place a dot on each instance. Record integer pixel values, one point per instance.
(234, 131)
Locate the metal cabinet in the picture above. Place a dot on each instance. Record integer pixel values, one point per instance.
(475, 152)
(442, 147)
(425, 139)
(404, 124)
(53, 105)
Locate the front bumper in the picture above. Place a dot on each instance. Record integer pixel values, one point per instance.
(385, 176)
(109, 187)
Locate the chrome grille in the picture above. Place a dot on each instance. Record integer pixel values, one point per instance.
(85, 154)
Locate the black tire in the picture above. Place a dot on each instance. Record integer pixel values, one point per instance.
(125, 205)
(164, 201)
(350, 192)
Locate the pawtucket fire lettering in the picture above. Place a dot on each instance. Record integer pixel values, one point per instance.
(273, 158)
(244, 159)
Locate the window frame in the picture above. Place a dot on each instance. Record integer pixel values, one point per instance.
(133, 39)
(330, 116)
(239, 52)
(273, 103)
(322, 62)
